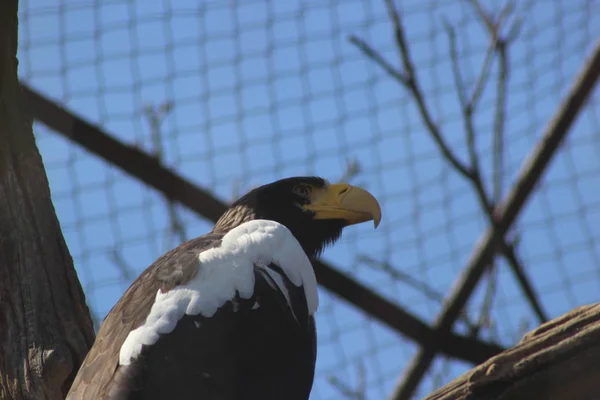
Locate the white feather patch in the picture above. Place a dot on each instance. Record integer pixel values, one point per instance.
(225, 270)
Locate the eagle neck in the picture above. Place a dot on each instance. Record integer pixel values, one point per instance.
(233, 218)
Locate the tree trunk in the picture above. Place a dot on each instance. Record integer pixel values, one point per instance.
(45, 327)
(560, 360)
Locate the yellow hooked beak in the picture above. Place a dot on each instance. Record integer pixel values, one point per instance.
(342, 201)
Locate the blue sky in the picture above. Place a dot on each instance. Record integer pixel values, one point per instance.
(265, 90)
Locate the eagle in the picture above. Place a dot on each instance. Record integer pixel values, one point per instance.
(228, 315)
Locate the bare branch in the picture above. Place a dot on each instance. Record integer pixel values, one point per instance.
(484, 17)
(378, 58)
(412, 84)
(458, 79)
(516, 266)
(409, 80)
(467, 106)
(507, 250)
(469, 103)
(514, 31)
(156, 116)
(488, 300)
(497, 46)
(416, 284)
(482, 78)
(400, 276)
(121, 264)
(345, 390)
(500, 115)
(511, 206)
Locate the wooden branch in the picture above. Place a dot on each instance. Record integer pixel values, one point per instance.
(45, 327)
(560, 360)
(507, 213)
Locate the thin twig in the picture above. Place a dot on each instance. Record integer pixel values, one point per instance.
(500, 115)
(401, 78)
(467, 106)
(156, 116)
(486, 306)
(398, 275)
(484, 17)
(483, 77)
(507, 250)
(413, 85)
(345, 390)
(360, 393)
(501, 45)
(510, 255)
(409, 80)
(497, 46)
(375, 56)
(121, 265)
(458, 79)
(416, 284)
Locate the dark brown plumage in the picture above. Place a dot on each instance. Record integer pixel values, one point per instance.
(260, 347)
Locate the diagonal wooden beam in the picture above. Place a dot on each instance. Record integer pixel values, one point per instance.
(149, 170)
(506, 214)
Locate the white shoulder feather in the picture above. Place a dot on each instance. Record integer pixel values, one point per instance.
(225, 270)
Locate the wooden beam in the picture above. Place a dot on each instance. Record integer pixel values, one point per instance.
(560, 360)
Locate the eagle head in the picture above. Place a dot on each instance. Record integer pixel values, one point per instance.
(314, 210)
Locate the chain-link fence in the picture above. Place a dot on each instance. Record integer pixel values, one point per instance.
(235, 94)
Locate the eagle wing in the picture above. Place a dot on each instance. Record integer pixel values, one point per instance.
(263, 346)
(102, 361)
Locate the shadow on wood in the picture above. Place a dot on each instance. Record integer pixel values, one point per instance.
(560, 360)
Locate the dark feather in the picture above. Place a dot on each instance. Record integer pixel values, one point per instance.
(242, 352)
(100, 365)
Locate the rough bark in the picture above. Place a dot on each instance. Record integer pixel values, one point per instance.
(560, 360)
(45, 327)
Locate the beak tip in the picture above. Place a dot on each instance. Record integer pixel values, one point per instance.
(376, 221)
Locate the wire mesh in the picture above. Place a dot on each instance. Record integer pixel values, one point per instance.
(235, 94)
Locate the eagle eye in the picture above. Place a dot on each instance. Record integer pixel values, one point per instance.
(302, 190)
